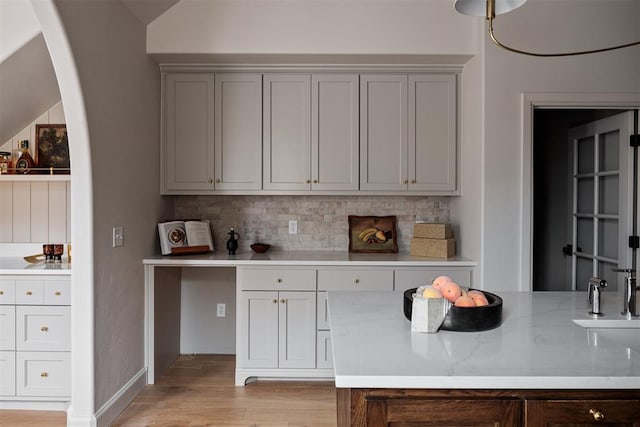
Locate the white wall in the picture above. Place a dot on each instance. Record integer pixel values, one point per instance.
(121, 88)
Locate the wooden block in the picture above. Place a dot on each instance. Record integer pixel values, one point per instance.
(432, 231)
(433, 248)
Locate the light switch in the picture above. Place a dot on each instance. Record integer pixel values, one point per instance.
(118, 236)
(293, 226)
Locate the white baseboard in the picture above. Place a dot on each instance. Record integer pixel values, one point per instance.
(119, 401)
(34, 405)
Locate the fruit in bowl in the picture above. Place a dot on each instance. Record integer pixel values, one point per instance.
(260, 247)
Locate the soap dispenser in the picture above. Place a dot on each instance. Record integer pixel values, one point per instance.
(232, 243)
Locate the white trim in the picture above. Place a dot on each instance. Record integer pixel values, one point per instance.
(33, 405)
(309, 68)
(248, 375)
(531, 100)
(119, 401)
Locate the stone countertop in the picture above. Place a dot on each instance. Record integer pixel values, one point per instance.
(302, 258)
(537, 346)
(18, 266)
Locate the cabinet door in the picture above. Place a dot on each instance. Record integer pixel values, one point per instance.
(558, 413)
(43, 373)
(287, 131)
(334, 132)
(383, 132)
(258, 329)
(325, 351)
(7, 373)
(297, 334)
(7, 327)
(238, 131)
(188, 139)
(432, 144)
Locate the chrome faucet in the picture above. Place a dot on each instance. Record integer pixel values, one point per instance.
(595, 288)
(629, 308)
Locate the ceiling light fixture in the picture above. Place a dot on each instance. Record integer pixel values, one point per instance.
(491, 8)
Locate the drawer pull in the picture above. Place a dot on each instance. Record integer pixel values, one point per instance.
(1, 292)
(356, 280)
(58, 293)
(44, 328)
(597, 415)
(275, 301)
(44, 375)
(283, 301)
(278, 280)
(29, 293)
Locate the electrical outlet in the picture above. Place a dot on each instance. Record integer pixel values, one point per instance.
(221, 310)
(293, 226)
(118, 236)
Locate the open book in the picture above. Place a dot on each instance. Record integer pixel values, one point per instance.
(175, 235)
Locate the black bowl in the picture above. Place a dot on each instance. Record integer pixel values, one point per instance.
(465, 319)
(260, 247)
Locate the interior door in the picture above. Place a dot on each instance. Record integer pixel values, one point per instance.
(601, 206)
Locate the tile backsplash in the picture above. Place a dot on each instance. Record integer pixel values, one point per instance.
(322, 220)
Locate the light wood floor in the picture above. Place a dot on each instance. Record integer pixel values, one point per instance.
(200, 391)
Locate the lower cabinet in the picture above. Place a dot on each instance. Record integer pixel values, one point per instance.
(496, 408)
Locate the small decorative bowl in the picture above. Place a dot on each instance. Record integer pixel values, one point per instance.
(260, 247)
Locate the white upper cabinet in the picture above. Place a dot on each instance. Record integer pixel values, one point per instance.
(212, 132)
(238, 132)
(287, 131)
(408, 127)
(188, 138)
(334, 132)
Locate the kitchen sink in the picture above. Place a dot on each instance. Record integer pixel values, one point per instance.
(611, 323)
(619, 333)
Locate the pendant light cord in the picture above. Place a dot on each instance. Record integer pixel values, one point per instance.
(523, 52)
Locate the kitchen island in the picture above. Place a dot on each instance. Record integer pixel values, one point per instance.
(537, 367)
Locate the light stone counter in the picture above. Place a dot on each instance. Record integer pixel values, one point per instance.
(538, 346)
(18, 266)
(305, 258)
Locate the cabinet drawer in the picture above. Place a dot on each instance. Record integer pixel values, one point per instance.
(412, 278)
(7, 291)
(7, 373)
(581, 412)
(43, 328)
(364, 279)
(7, 327)
(57, 292)
(43, 373)
(323, 312)
(276, 279)
(29, 291)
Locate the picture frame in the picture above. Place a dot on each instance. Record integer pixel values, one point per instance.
(51, 151)
(373, 234)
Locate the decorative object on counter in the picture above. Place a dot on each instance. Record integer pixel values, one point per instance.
(5, 163)
(260, 247)
(185, 237)
(432, 240)
(47, 250)
(35, 259)
(232, 243)
(69, 253)
(52, 148)
(24, 163)
(372, 234)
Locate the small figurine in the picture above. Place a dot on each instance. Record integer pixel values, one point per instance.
(232, 243)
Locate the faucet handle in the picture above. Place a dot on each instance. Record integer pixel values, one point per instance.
(597, 282)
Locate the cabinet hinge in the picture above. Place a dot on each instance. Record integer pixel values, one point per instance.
(634, 242)
(634, 141)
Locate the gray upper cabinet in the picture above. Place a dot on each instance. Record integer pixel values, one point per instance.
(287, 131)
(334, 132)
(187, 139)
(212, 133)
(408, 128)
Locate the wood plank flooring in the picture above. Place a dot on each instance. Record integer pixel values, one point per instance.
(200, 391)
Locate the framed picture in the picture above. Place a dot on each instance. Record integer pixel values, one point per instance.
(52, 148)
(372, 234)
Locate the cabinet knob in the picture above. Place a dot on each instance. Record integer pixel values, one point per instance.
(278, 280)
(406, 181)
(275, 301)
(210, 181)
(29, 293)
(315, 181)
(57, 293)
(283, 301)
(308, 181)
(356, 280)
(1, 292)
(597, 415)
(44, 375)
(218, 180)
(413, 181)
(44, 328)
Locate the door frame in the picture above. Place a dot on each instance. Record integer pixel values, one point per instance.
(551, 100)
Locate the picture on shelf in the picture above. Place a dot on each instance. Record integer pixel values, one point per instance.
(52, 148)
(179, 236)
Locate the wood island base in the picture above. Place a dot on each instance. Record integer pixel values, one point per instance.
(504, 408)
